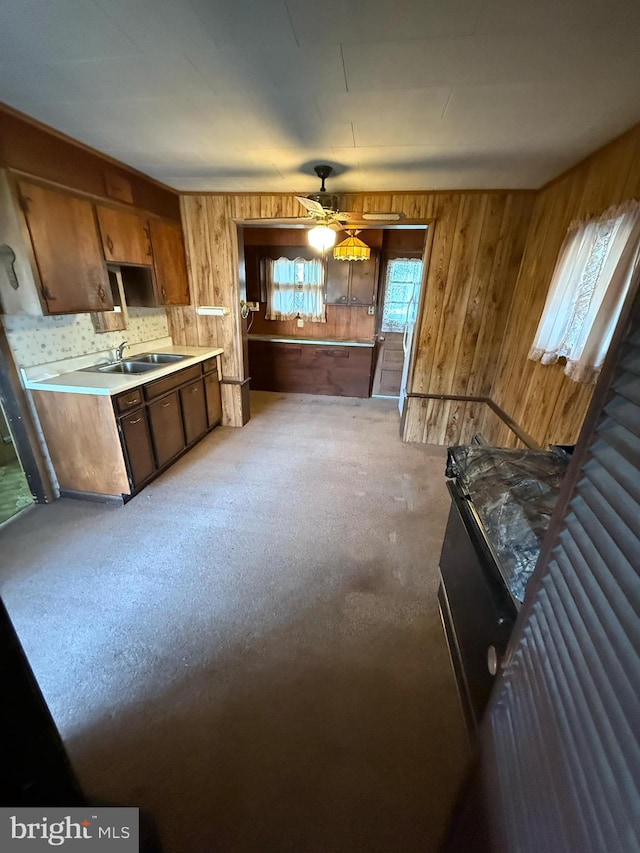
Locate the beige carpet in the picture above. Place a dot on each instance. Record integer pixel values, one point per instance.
(251, 648)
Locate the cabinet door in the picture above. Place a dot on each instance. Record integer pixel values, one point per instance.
(167, 433)
(194, 410)
(364, 280)
(67, 250)
(137, 445)
(214, 401)
(170, 263)
(337, 278)
(125, 236)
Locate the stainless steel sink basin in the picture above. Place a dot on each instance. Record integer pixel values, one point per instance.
(157, 357)
(124, 367)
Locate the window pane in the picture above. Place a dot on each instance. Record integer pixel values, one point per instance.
(401, 289)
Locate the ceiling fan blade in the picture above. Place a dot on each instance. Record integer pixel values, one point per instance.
(313, 207)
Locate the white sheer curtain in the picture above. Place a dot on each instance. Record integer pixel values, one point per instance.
(587, 291)
(295, 288)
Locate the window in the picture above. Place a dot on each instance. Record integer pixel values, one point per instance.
(295, 288)
(587, 291)
(401, 287)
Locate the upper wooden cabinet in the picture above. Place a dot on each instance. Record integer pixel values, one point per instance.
(125, 236)
(352, 282)
(67, 250)
(170, 263)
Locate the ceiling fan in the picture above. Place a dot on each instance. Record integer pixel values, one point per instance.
(322, 206)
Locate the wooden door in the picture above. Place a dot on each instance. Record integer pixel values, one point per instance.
(364, 280)
(214, 401)
(337, 280)
(167, 432)
(194, 410)
(66, 245)
(389, 364)
(137, 443)
(125, 236)
(169, 262)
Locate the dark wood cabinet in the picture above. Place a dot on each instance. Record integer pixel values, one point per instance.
(137, 445)
(194, 410)
(165, 419)
(213, 398)
(172, 286)
(352, 282)
(68, 254)
(125, 236)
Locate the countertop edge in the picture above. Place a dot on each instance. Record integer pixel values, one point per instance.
(281, 339)
(119, 384)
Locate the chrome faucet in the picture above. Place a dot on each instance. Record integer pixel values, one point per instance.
(120, 350)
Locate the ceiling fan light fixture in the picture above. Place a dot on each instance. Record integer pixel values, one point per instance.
(352, 249)
(322, 237)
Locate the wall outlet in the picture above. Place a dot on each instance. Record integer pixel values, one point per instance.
(371, 309)
(300, 322)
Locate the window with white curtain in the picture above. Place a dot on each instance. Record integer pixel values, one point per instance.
(295, 288)
(587, 291)
(401, 287)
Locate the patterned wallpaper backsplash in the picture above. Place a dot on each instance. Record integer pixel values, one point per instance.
(38, 340)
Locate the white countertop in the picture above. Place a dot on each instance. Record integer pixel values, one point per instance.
(89, 382)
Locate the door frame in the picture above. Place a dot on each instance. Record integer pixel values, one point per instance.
(429, 226)
(22, 426)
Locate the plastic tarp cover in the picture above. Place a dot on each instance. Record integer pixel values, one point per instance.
(514, 493)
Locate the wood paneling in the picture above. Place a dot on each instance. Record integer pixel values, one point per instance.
(343, 324)
(540, 398)
(477, 243)
(30, 147)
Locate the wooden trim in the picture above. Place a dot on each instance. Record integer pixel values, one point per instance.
(426, 265)
(524, 437)
(599, 151)
(515, 428)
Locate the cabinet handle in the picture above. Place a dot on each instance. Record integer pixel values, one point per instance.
(343, 299)
(165, 405)
(102, 293)
(354, 298)
(136, 421)
(164, 293)
(132, 400)
(194, 389)
(109, 244)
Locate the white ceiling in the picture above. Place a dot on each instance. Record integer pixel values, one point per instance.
(399, 94)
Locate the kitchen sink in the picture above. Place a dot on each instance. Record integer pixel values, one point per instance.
(123, 367)
(157, 358)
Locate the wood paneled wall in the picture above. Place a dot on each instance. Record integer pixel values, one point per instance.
(540, 398)
(477, 243)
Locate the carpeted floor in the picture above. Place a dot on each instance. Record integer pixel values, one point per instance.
(251, 648)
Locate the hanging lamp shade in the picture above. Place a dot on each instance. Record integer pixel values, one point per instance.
(352, 249)
(322, 237)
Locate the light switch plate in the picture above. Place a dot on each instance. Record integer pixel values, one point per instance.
(300, 323)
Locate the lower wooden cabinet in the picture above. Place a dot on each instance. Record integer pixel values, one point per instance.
(128, 439)
(137, 445)
(166, 428)
(194, 411)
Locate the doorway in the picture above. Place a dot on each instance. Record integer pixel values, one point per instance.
(399, 300)
(15, 493)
